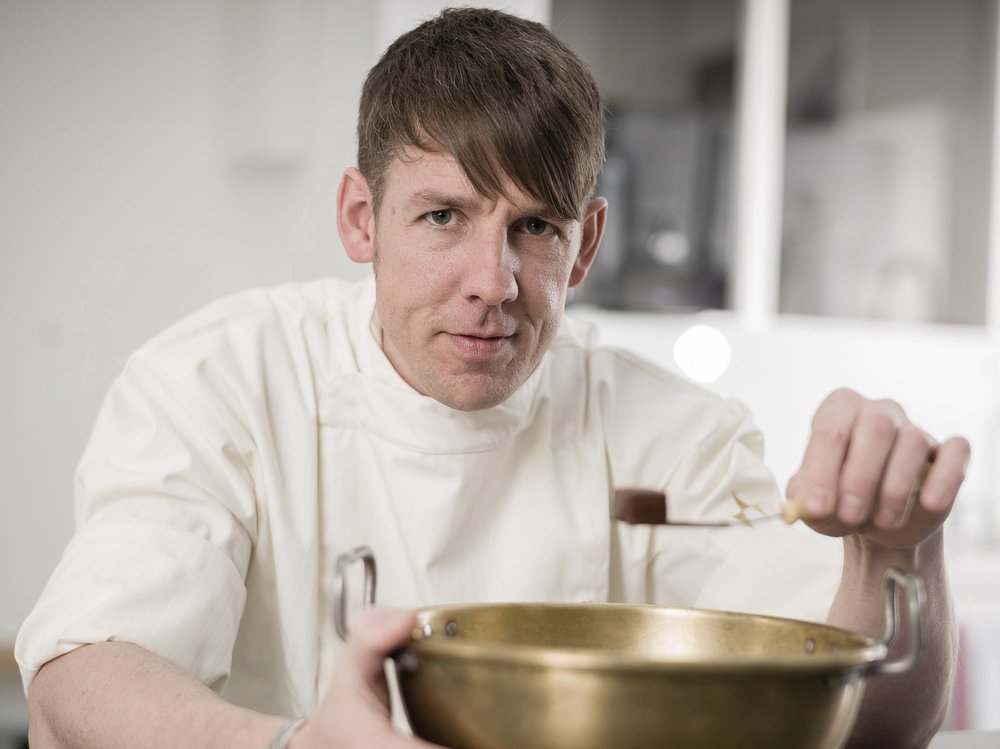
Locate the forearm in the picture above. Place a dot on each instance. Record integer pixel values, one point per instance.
(903, 710)
(116, 694)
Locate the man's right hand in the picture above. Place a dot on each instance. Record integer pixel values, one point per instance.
(354, 713)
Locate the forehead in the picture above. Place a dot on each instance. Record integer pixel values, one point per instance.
(420, 175)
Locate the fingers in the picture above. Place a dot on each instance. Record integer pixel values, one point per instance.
(862, 472)
(817, 481)
(852, 443)
(946, 475)
(893, 497)
(354, 713)
(869, 454)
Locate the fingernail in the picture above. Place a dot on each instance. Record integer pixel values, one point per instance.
(817, 501)
(852, 509)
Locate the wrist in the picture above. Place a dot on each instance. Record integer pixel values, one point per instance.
(864, 556)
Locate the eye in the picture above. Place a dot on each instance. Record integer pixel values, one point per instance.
(441, 217)
(536, 227)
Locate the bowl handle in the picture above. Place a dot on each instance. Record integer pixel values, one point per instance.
(913, 587)
(340, 602)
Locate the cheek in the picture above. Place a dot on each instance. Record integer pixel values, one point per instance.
(553, 288)
(410, 285)
(553, 297)
(548, 308)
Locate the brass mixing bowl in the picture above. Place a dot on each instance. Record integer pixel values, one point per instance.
(617, 676)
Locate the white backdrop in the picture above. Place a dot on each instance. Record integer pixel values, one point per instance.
(154, 155)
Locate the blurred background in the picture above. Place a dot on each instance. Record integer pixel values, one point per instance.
(804, 195)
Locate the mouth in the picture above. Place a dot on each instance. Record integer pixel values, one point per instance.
(479, 345)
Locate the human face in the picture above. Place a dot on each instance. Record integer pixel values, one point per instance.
(470, 289)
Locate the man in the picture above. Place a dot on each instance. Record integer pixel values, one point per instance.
(447, 416)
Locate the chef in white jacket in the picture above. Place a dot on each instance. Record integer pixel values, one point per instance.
(445, 414)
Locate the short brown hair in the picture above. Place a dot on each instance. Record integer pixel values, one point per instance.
(499, 93)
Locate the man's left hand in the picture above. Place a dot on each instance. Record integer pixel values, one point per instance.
(862, 470)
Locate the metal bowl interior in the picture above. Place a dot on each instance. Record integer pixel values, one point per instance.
(556, 676)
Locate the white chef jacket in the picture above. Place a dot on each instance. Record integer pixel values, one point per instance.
(244, 449)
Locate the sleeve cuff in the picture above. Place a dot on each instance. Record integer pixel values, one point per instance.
(148, 583)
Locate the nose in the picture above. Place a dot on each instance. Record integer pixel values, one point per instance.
(491, 269)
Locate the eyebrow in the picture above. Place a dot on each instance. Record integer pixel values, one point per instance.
(464, 203)
(434, 197)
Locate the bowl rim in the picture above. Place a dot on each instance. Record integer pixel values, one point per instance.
(859, 657)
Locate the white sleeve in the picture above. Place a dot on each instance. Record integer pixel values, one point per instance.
(704, 452)
(165, 523)
(769, 568)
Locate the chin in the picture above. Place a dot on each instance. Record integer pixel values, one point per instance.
(477, 396)
(474, 402)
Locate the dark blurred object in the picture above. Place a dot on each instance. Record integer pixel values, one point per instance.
(665, 175)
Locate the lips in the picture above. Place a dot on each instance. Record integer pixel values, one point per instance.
(486, 329)
(482, 334)
(478, 344)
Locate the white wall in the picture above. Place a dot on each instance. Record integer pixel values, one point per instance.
(393, 17)
(154, 155)
(124, 205)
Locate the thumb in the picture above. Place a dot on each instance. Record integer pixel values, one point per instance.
(374, 635)
(355, 710)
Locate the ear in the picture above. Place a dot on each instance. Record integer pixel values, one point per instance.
(356, 216)
(593, 229)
